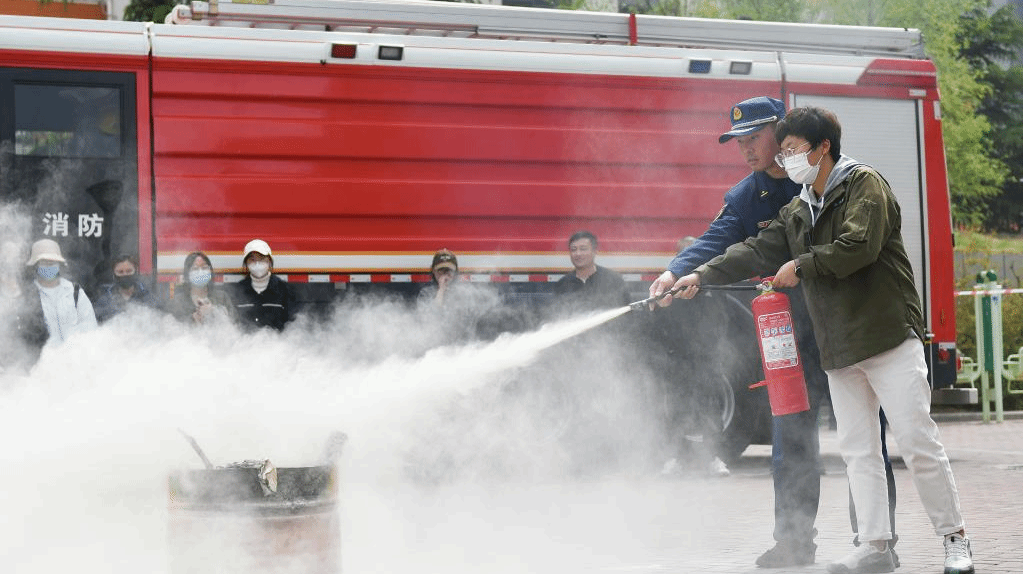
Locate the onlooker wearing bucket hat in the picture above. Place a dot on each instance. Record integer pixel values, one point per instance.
(64, 307)
(750, 206)
(261, 298)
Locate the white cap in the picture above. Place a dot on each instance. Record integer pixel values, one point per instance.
(257, 246)
(45, 249)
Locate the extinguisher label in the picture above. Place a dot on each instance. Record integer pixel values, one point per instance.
(777, 340)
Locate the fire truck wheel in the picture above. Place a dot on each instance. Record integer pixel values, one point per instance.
(750, 424)
(751, 419)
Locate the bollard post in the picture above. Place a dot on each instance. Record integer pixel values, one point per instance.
(988, 309)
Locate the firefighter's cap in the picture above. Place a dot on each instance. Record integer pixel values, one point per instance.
(256, 246)
(47, 249)
(752, 115)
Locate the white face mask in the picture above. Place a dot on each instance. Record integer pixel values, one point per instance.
(259, 269)
(799, 169)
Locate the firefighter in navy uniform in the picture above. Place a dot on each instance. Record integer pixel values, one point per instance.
(261, 298)
(749, 207)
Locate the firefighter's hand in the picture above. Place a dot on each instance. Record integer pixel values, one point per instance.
(660, 285)
(786, 276)
(688, 286)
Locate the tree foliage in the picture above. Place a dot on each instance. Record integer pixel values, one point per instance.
(765, 10)
(148, 10)
(975, 173)
(991, 43)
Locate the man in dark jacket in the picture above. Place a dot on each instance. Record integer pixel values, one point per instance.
(261, 298)
(588, 285)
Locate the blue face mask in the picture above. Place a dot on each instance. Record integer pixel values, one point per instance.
(200, 277)
(48, 272)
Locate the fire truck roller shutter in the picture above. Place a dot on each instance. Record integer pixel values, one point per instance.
(892, 146)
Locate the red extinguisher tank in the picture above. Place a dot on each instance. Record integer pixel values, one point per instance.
(783, 369)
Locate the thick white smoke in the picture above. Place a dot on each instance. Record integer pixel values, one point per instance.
(93, 430)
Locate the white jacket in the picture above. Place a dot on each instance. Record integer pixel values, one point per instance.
(63, 317)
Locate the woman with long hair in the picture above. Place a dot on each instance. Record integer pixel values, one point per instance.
(197, 300)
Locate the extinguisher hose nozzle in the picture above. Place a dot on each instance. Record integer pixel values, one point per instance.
(645, 303)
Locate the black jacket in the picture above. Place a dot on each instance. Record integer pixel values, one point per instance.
(274, 307)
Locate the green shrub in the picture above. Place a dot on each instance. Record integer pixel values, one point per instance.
(979, 254)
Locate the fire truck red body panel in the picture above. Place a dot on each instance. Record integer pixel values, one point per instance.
(381, 160)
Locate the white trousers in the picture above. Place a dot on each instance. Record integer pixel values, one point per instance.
(895, 380)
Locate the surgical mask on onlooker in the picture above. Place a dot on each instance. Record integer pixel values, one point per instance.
(48, 272)
(200, 277)
(259, 269)
(125, 281)
(799, 170)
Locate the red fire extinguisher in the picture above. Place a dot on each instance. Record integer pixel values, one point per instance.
(783, 369)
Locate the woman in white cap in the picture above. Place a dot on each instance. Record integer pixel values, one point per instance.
(65, 308)
(262, 298)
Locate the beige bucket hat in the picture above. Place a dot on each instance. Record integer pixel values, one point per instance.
(47, 249)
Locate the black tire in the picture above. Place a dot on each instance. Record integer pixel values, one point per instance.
(751, 420)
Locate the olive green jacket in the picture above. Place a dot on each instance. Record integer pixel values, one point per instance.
(857, 278)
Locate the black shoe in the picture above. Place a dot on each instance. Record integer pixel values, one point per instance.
(785, 554)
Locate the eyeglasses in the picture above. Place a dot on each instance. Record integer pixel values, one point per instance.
(780, 158)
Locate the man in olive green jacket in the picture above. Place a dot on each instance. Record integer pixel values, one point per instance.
(842, 240)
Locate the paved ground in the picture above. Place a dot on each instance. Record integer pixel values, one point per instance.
(682, 524)
(988, 463)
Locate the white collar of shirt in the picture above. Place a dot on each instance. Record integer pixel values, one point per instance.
(815, 203)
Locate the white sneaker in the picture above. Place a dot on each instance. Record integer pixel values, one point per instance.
(671, 468)
(864, 559)
(958, 556)
(718, 468)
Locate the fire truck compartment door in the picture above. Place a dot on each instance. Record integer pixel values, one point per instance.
(886, 135)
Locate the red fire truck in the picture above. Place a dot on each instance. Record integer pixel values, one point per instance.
(358, 137)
